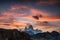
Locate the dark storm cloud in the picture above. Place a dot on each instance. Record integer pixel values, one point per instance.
(37, 16)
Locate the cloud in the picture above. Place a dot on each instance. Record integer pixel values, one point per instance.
(48, 2)
(50, 26)
(18, 7)
(38, 12)
(28, 12)
(25, 15)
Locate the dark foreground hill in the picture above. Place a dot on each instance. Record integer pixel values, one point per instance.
(8, 34)
(47, 36)
(13, 34)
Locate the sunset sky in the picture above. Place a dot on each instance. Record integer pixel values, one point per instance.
(21, 13)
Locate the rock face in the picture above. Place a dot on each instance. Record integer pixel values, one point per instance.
(8, 34)
(31, 31)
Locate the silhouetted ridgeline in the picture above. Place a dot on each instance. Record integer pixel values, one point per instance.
(14, 34)
(47, 36)
(9, 34)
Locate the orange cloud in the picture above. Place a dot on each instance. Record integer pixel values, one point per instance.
(37, 12)
(47, 28)
(21, 15)
(7, 15)
(32, 11)
(18, 7)
(49, 18)
(58, 30)
(2, 18)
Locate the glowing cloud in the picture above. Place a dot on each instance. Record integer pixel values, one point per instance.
(25, 15)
